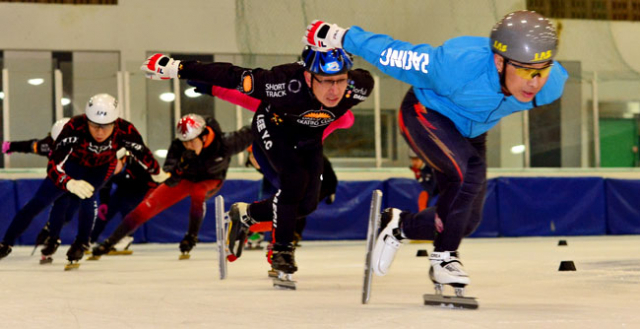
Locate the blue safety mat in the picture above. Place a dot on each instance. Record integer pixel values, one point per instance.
(623, 206)
(514, 206)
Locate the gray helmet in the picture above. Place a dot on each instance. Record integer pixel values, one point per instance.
(524, 36)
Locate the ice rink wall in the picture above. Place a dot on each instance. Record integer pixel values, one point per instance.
(514, 206)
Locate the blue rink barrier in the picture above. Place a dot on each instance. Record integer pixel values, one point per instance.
(514, 206)
(623, 206)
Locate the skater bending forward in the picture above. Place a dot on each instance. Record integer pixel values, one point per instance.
(298, 102)
(459, 91)
(84, 157)
(197, 162)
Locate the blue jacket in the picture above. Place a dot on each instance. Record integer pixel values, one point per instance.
(458, 79)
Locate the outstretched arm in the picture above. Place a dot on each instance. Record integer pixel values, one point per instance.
(230, 95)
(401, 60)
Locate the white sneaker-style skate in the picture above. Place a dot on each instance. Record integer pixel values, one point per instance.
(122, 247)
(388, 241)
(447, 269)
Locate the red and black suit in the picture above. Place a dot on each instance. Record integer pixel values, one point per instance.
(76, 155)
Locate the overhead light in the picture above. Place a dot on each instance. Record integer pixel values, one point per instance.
(36, 81)
(167, 97)
(65, 101)
(162, 154)
(518, 149)
(1, 94)
(191, 93)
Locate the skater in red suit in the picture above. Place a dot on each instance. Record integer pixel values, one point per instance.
(197, 163)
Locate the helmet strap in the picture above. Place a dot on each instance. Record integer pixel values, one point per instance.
(503, 74)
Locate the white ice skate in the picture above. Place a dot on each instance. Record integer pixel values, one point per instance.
(122, 247)
(388, 241)
(446, 269)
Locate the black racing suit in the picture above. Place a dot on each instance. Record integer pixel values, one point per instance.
(287, 128)
(40, 147)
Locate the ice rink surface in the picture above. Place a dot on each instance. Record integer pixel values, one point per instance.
(516, 281)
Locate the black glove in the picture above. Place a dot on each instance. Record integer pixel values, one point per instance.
(188, 156)
(172, 181)
(201, 87)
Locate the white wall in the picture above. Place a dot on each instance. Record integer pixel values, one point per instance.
(135, 27)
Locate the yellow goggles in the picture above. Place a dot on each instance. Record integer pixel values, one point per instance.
(529, 73)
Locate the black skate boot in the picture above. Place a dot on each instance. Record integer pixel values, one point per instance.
(283, 261)
(50, 247)
(239, 224)
(101, 249)
(5, 250)
(75, 254)
(42, 238)
(188, 242)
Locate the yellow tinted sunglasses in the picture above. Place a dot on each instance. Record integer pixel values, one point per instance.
(529, 73)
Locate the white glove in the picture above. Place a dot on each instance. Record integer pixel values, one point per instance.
(161, 176)
(322, 35)
(121, 153)
(160, 67)
(80, 188)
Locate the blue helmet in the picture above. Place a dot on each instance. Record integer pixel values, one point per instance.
(326, 62)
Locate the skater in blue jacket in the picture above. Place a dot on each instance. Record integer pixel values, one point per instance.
(460, 90)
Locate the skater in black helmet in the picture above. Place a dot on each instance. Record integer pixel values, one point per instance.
(459, 91)
(298, 101)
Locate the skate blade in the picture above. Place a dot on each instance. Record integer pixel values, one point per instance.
(253, 248)
(93, 257)
(87, 252)
(119, 252)
(272, 273)
(284, 284)
(71, 266)
(450, 301)
(184, 256)
(45, 261)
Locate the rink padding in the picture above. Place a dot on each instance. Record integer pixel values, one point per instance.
(623, 206)
(548, 206)
(514, 206)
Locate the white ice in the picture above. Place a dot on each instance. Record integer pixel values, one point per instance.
(516, 281)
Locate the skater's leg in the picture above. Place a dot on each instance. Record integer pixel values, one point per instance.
(439, 144)
(46, 194)
(160, 199)
(200, 192)
(300, 225)
(480, 144)
(62, 212)
(97, 177)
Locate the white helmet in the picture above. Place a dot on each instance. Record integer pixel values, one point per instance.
(57, 127)
(102, 109)
(189, 127)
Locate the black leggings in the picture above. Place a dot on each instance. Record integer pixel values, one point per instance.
(48, 192)
(461, 173)
(298, 169)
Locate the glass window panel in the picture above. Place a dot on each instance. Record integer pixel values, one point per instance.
(31, 99)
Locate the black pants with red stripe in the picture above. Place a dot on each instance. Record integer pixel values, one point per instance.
(461, 173)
